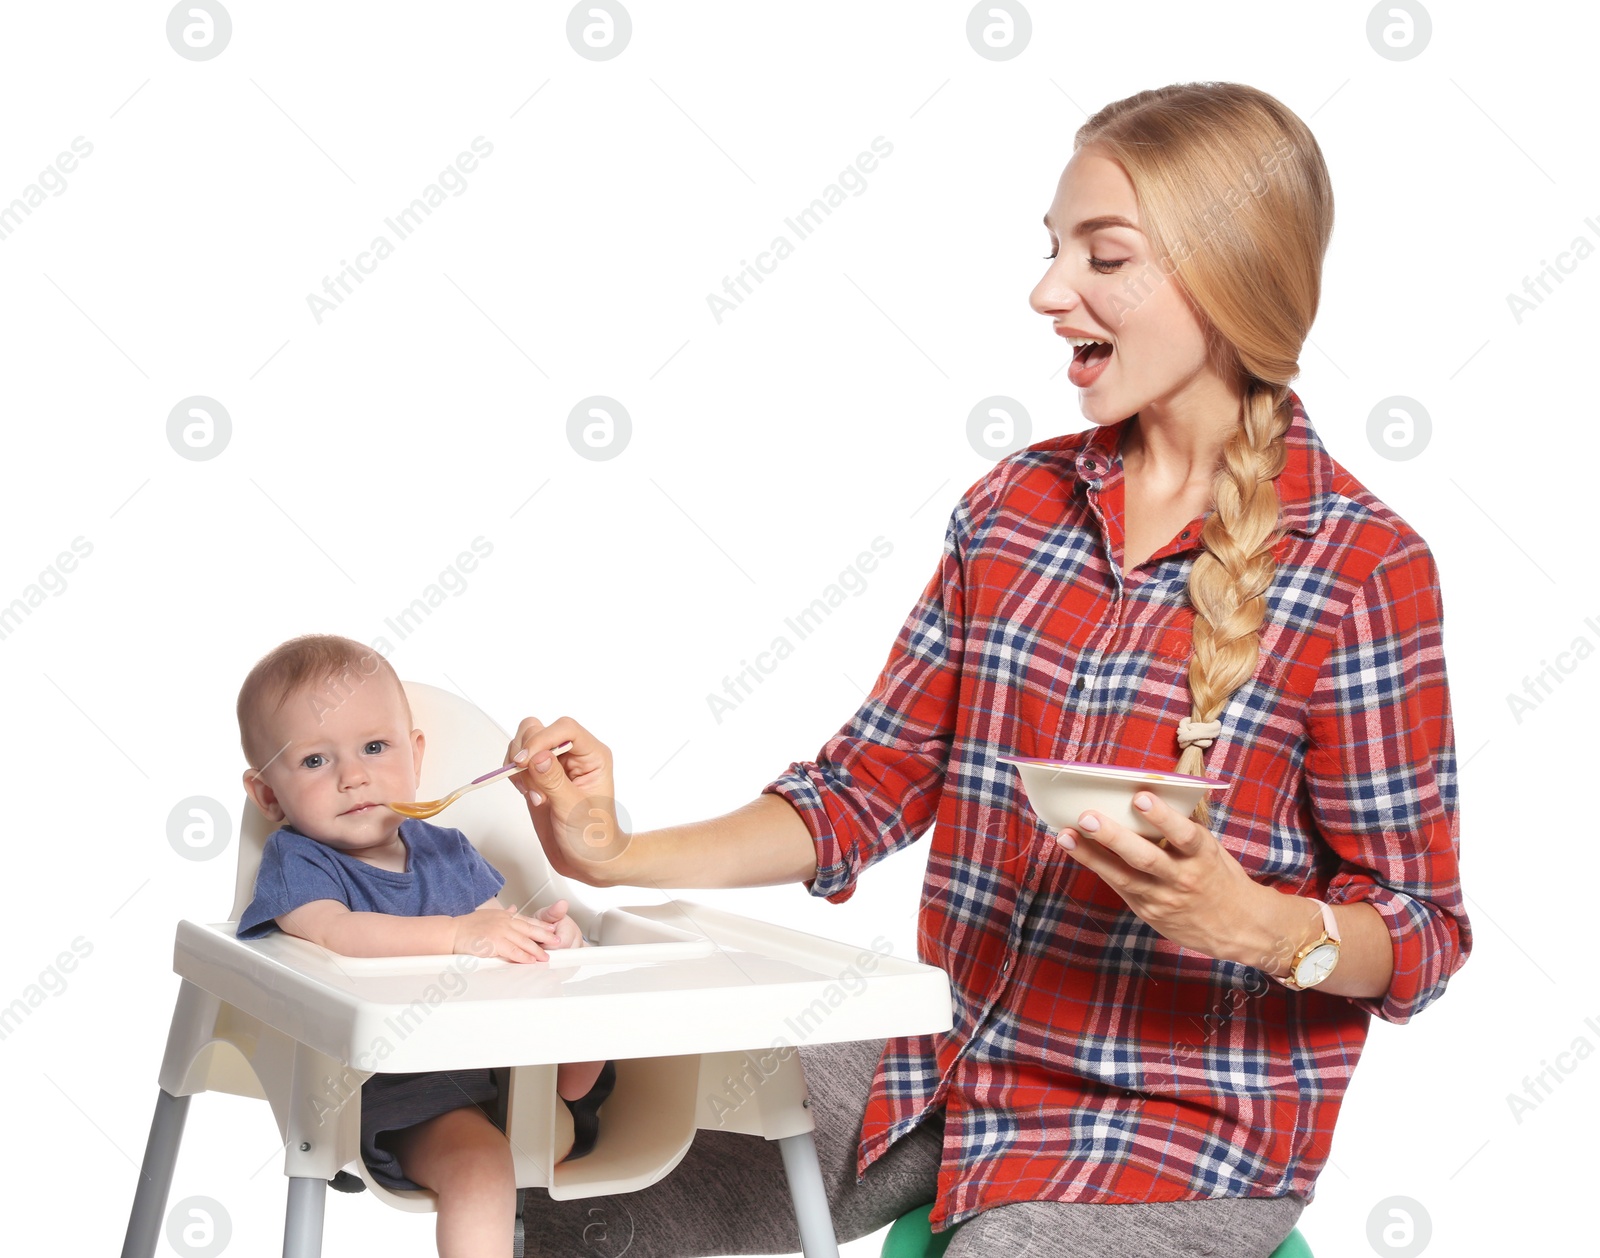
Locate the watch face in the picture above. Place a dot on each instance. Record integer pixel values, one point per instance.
(1316, 965)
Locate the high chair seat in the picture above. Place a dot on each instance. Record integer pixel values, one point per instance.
(699, 1008)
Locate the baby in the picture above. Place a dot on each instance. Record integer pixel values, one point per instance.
(329, 743)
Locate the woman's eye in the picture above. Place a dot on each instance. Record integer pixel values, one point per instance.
(1103, 266)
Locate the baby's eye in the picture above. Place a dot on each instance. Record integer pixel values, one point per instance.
(376, 746)
(315, 755)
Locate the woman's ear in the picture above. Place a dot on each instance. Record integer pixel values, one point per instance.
(262, 796)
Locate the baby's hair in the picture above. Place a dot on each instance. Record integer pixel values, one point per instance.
(1235, 200)
(325, 667)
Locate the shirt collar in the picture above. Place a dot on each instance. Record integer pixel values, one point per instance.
(1302, 485)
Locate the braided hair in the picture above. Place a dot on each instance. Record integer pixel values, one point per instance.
(1235, 200)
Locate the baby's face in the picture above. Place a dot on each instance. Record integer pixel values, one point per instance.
(340, 763)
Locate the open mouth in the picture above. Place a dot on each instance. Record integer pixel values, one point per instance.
(1089, 360)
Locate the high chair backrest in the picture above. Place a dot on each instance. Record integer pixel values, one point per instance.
(461, 743)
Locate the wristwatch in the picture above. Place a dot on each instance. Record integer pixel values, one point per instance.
(1316, 960)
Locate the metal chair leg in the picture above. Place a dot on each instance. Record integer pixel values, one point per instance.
(302, 1226)
(810, 1197)
(155, 1176)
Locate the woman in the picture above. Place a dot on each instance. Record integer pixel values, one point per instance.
(1190, 584)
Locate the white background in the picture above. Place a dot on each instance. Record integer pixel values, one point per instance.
(767, 451)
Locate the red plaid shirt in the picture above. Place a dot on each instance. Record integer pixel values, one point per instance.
(1092, 1059)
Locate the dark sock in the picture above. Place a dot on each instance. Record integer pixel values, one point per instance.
(586, 1112)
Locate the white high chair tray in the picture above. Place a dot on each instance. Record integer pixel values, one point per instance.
(632, 999)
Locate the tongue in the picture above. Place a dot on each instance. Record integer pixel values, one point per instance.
(1087, 362)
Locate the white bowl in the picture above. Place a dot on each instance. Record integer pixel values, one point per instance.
(1061, 791)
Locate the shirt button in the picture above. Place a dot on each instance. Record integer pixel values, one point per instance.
(1080, 685)
(1185, 534)
(1006, 967)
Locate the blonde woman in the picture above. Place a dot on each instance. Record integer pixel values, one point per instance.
(1151, 1042)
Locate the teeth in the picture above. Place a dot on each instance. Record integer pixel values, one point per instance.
(1078, 342)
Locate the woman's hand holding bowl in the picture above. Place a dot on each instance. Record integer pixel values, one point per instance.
(1192, 890)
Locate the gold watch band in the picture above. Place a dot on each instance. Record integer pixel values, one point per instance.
(1330, 934)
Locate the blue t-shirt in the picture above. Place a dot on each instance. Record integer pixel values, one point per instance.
(444, 874)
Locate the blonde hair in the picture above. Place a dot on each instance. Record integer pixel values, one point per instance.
(310, 661)
(1235, 200)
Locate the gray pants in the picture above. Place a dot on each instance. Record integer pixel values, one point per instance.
(729, 1196)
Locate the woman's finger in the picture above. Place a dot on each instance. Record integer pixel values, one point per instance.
(519, 751)
(535, 740)
(1092, 855)
(1179, 831)
(1133, 850)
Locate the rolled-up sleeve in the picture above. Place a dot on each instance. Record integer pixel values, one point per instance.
(1381, 770)
(875, 785)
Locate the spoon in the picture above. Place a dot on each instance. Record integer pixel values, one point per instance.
(423, 809)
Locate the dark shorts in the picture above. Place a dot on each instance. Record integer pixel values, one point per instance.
(391, 1103)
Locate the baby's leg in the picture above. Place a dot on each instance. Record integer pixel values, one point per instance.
(575, 1078)
(464, 1158)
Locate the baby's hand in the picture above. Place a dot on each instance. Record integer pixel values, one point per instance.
(498, 932)
(567, 933)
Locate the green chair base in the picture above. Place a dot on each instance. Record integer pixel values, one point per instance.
(911, 1237)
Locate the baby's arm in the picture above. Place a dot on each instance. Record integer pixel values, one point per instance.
(489, 931)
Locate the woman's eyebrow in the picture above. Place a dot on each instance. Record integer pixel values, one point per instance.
(1095, 224)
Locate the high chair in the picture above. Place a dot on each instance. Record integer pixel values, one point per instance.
(696, 1005)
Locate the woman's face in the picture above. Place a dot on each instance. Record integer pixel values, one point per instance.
(1104, 282)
